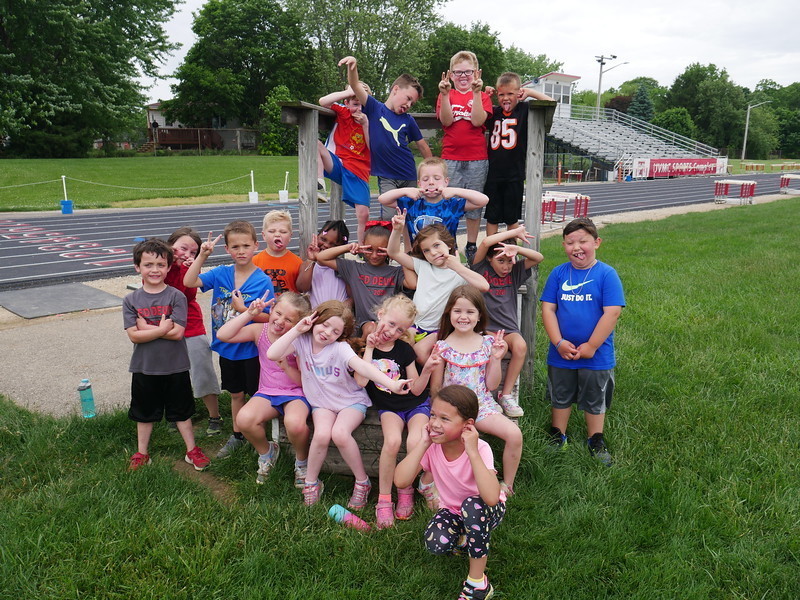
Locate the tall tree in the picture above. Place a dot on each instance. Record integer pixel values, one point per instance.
(528, 66)
(244, 49)
(656, 92)
(677, 120)
(641, 106)
(68, 70)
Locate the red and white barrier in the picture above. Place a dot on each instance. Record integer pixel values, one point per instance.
(554, 206)
(747, 189)
(786, 181)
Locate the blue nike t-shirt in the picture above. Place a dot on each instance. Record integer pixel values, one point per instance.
(579, 296)
(389, 136)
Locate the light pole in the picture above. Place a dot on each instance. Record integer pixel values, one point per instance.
(747, 124)
(602, 61)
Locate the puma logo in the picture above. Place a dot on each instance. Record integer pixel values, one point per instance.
(395, 132)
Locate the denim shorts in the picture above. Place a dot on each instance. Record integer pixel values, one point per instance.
(362, 408)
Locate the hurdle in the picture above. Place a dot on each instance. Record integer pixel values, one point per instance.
(786, 180)
(747, 190)
(554, 206)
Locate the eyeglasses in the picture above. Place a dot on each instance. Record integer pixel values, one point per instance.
(463, 73)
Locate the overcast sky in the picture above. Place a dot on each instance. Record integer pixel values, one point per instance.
(752, 40)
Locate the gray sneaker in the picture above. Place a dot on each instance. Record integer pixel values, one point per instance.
(267, 461)
(597, 448)
(214, 426)
(232, 444)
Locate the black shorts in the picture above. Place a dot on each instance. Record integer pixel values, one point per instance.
(505, 202)
(240, 375)
(154, 397)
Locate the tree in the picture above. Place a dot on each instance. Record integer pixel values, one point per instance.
(244, 49)
(277, 139)
(676, 120)
(528, 66)
(657, 93)
(619, 103)
(68, 70)
(642, 106)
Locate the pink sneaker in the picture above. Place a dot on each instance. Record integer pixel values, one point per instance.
(138, 460)
(405, 503)
(197, 459)
(384, 515)
(312, 493)
(360, 493)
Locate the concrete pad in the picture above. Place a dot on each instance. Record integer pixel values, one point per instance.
(31, 303)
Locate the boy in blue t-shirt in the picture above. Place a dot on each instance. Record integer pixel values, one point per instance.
(235, 287)
(391, 129)
(581, 303)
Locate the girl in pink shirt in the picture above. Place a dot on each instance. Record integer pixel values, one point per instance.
(338, 403)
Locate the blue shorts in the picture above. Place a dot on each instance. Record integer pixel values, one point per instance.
(354, 189)
(362, 408)
(422, 409)
(277, 402)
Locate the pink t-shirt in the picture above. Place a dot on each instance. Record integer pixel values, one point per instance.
(455, 480)
(273, 381)
(327, 381)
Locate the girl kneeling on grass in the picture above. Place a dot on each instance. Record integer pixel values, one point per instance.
(279, 390)
(472, 502)
(338, 403)
(394, 356)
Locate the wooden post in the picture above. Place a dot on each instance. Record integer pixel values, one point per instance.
(337, 206)
(540, 118)
(307, 177)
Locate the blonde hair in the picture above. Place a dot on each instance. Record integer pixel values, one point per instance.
(297, 301)
(276, 216)
(433, 161)
(403, 304)
(464, 56)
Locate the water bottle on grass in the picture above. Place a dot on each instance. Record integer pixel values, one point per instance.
(341, 515)
(87, 399)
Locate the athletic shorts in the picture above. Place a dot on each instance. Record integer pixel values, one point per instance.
(422, 409)
(240, 375)
(362, 408)
(278, 402)
(590, 390)
(469, 174)
(154, 397)
(354, 189)
(201, 370)
(505, 201)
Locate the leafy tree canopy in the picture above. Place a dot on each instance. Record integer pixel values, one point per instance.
(641, 106)
(677, 120)
(528, 66)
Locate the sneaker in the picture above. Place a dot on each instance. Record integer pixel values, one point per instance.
(172, 427)
(321, 197)
(138, 460)
(506, 489)
(597, 448)
(267, 461)
(214, 426)
(558, 440)
(358, 500)
(384, 515)
(405, 503)
(312, 493)
(321, 184)
(431, 495)
(197, 459)
(471, 593)
(232, 444)
(300, 472)
(510, 406)
(469, 251)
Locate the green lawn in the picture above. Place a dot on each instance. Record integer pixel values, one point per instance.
(702, 501)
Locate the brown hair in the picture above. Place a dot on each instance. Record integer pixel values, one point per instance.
(509, 78)
(240, 226)
(433, 161)
(405, 80)
(185, 231)
(474, 297)
(154, 246)
(464, 55)
(335, 308)
(429, 231)
(463, 399)
(580, 223)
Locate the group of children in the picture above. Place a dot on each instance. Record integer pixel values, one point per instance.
(330, 336)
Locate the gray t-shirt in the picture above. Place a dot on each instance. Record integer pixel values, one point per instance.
(159, 356)
(501, 299)
(369, 286)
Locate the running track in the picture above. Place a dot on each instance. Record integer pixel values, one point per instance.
(45, 250)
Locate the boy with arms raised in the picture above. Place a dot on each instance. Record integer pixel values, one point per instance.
(432, 201)
(581, 303)
(463, 111)
(276, 260)
(391, 128)
(154, 317)
(235, 287)
(508, 145)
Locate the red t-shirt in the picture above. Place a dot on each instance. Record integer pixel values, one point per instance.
(194, 314)
(462, 140)
(347, 141)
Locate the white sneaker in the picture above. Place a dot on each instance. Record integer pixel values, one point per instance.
(510, 406)
(267, 461)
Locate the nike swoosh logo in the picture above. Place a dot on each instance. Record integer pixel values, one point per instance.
(568, 288)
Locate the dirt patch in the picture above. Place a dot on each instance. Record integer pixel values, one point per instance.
(223, 492)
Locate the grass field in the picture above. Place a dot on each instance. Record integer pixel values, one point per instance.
(701, 503)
